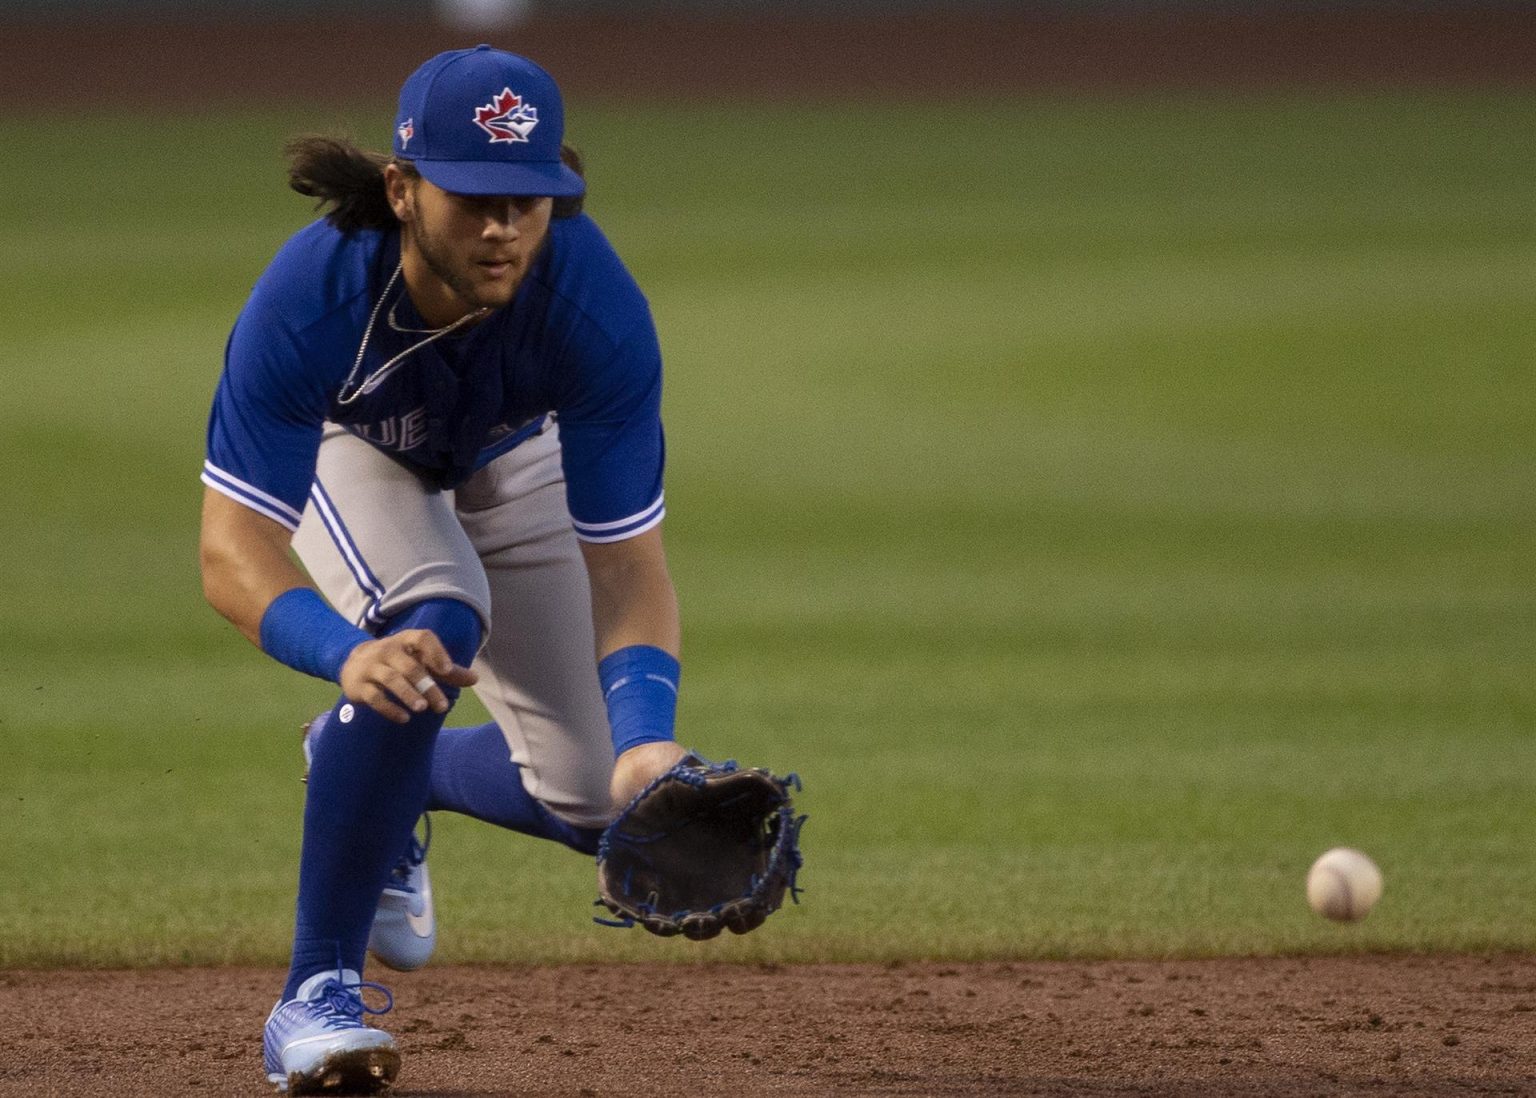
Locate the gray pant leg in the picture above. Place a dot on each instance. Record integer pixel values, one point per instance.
(538, 674)
(376, 540)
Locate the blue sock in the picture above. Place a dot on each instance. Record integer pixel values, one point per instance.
(473, 773)
(368, 783)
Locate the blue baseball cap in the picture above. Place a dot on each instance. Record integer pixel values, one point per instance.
(484, 121)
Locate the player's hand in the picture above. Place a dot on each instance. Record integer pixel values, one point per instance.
(639, 766)
(398, 675)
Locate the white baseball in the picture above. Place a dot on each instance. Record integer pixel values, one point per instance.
(1343, 884)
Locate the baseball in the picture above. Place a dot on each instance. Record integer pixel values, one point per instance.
(1343, 885)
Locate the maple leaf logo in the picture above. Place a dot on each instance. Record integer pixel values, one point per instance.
(406, 131)
(507, 118)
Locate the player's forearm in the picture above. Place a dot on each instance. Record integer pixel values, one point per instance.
(245, 563)
(634, 614)
(633, 600)
(645, 614)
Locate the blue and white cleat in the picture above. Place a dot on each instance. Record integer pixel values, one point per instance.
(404, 925)
(316, 1042)
(404, 930)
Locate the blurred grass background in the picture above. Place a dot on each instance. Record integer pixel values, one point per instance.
(1106, 505)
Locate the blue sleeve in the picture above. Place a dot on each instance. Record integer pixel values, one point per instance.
(611, 442)
(264, 430)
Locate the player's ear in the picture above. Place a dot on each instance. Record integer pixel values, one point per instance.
(397, 189)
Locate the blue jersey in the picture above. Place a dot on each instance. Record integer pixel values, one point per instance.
(577, 343)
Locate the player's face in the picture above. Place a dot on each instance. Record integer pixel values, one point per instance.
(473, 250)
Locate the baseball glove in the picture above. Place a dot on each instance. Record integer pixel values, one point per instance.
(705, 847)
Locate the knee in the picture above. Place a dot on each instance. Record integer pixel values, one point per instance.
(456, 624)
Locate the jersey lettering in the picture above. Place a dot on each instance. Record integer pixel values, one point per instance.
(400, 433)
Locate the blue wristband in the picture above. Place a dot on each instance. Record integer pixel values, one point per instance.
(640, 690)
(299, 629)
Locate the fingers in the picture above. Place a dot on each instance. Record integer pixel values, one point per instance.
(380, 702)
(398, 675)
(365, 680)
(424, 645)
(425, 650)
(417, 692)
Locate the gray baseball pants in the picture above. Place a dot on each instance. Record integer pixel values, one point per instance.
(376, 540)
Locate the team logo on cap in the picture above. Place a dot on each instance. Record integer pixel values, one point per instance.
(406, 132)
(507, 118)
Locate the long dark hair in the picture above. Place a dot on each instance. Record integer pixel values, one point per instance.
(349, 182)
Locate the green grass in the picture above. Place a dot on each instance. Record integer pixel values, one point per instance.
(1106, 506)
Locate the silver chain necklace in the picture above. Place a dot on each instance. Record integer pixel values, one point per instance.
(375, 379)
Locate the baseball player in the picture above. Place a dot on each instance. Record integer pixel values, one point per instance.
(444, 396)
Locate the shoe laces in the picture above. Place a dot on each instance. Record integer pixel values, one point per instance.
(344, 1006)
(415, 854)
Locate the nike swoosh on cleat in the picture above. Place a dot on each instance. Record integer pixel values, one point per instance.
(421, 925)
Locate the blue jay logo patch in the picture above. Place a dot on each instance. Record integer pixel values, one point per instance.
(507, 118)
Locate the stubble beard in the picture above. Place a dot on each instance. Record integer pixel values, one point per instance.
(439, 260)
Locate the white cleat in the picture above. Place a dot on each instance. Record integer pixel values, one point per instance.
(405, 926)
(316, 1042)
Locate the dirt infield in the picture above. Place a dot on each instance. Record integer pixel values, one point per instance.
(1313, 1026)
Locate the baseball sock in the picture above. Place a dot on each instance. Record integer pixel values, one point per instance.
(473, 773)
(368, 782)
